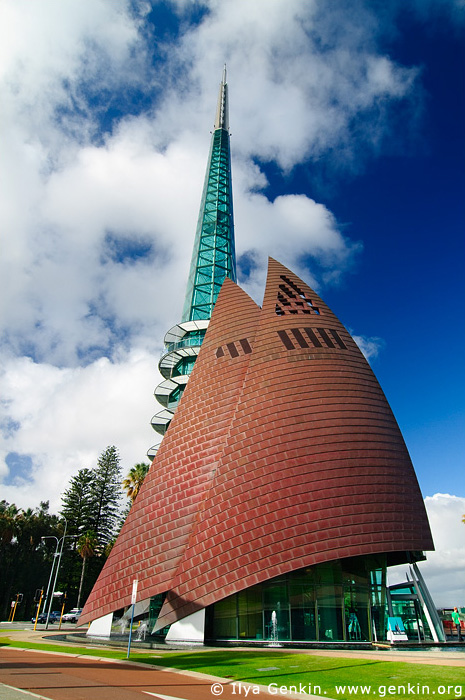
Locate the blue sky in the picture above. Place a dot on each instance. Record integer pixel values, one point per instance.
(348, 151)
(408, 208)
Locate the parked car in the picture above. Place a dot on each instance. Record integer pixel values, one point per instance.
(54, 617)
(72, 615)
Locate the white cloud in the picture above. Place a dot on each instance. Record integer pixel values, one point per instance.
(64, 418)
(303, 75)
(50, 52)
(444, 569)
(69, 185)
(295, 230)
(370, 347)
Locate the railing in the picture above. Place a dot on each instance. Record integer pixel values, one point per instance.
(187, 341)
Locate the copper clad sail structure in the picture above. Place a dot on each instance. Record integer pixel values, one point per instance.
(283, 454)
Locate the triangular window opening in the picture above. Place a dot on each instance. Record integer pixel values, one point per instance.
(287, 297)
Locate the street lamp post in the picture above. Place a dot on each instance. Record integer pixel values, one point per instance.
(50, 537)
(62, 541)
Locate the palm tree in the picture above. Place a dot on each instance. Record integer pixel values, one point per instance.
(134, 480)
(86, 547)
(9, 515)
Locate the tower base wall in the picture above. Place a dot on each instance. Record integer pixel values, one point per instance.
(101, 627)
(189, 630)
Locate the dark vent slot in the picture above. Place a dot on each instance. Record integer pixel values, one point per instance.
(299, 337)
(220, 352)
(326, 337)
(245, 346)
(286, 340)
(287, 291)
(278, 310)
(292, 285)
(337, 338)
(232, 350)
(313, 337)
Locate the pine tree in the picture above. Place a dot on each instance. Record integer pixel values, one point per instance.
(77, 509)
(91, 504)
(77, 502)
(106, 495)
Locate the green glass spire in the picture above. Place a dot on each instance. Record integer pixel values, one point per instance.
(213, 256)
(213, 259)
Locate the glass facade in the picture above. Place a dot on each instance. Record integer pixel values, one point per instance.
(410, 611)
(213, 256)
(341, 601)
(190, 339)
(184, 366)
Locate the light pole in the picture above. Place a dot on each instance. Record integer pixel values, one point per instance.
(62, 540)
(50, 537)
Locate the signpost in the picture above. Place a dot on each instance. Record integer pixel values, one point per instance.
(133, 603)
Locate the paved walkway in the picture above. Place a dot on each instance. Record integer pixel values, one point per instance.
(70, 677)
(8, 693)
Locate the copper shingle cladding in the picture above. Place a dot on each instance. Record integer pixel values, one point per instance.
(283, 453)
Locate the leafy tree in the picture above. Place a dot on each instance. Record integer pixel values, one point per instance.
(134, 480)
(24, 557)
(90, 505)
(87, 547)
(8, 524)
(8, 530)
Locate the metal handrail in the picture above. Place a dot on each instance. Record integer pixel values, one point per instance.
(189, 341)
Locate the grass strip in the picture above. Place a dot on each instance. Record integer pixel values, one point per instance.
(335, 677)
(63, 649)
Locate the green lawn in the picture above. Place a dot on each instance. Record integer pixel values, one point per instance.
(289, 670)
(72, 649)
(293, 669)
